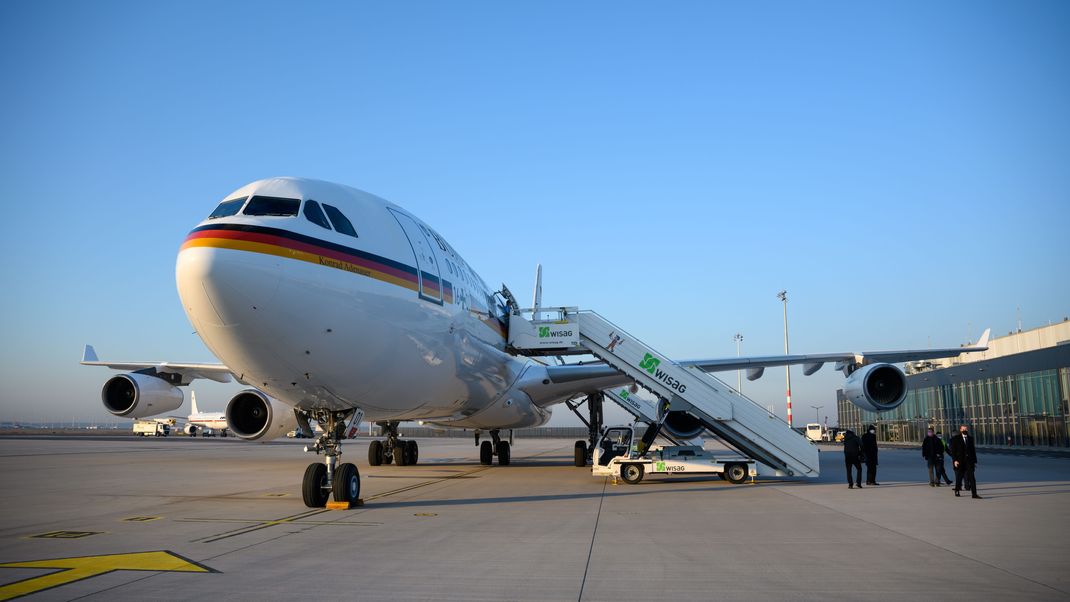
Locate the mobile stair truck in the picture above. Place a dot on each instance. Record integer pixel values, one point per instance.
(690, 401)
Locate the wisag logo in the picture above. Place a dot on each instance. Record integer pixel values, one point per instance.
(545, 332)
(649, 363)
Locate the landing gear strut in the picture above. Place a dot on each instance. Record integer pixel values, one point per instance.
(321, 480)
(584, 449)
(495, 447)
(393, 449)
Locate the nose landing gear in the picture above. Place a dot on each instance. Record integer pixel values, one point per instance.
(323, 479)
(495, 447)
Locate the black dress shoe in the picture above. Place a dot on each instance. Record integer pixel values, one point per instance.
(850, 486)
(874, 483)
(936, 484)
(949, 482)
(957, 494)
(931, 484)
(977, 497)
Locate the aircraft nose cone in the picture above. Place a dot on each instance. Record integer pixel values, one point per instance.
(225, 287)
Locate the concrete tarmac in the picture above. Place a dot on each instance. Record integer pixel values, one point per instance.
(230, 518)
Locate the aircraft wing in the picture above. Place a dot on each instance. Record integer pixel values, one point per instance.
(187, 372)
(812, 362)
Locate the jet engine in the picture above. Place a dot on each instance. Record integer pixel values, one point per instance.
(253, 415)
(682, 425)
(139, 395)
(876, 387)
(191, 429)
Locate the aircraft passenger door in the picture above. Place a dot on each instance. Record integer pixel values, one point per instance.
(428, 277)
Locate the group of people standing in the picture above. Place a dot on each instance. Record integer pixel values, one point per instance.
(857, 450)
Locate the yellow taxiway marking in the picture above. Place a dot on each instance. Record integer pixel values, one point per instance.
(84, 567)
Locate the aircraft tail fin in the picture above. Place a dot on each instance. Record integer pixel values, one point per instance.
(193, 402)
(983, 341)
(536, 301)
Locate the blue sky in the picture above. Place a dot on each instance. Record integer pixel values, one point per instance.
(900, 168)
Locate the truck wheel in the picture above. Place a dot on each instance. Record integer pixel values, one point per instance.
(631, 473)
(581, 453)
(486, 453)
(735, 473)
(375, 453)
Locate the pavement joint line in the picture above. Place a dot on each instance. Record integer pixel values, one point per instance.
(261, 525)
(926, 542)
(296, 517)
(594, 533)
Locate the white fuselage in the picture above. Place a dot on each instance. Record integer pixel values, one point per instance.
(392, 320)
(211, 420)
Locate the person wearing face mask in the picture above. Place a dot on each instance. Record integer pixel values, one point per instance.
(852, 457)
(869, 450)
(964, 456)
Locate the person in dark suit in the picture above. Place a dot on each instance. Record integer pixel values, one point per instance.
(852, 457)
(964, 456)
(869, 450)
(932, 449)
(941, 472)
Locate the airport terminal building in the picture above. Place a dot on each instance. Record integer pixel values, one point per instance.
(1016, 393)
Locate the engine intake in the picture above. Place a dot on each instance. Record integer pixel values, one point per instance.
(139, 395)
(682, 425)
(253, 415)
(876, 387)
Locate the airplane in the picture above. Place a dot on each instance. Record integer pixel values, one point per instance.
(205, 422)
(335, 306)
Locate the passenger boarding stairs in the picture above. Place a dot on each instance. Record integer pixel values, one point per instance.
(733, 418)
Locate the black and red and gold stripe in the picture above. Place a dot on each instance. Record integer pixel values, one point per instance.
(283, 243)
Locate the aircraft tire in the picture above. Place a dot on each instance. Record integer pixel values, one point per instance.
(346, 484)
(314, 487)
(631, 473)
(413, 450)
(580, 458)
(375, 453)
(486, 453)
(503, 453)
(401, 456)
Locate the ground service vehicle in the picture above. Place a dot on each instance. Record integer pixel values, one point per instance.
(814, 431)
(151, 428)
(627, 451)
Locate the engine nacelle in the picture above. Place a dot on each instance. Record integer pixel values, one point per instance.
(139, 395)
(191, 429)
(253, 415)
(876, 387)
(682, 425)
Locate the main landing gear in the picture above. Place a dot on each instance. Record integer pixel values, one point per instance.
(584, 449)
(402, 453)
(495, 447)
(327, 478)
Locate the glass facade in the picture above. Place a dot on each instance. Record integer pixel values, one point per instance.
(1014, 400)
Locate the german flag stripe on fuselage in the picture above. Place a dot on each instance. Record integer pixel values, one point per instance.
(283, 243)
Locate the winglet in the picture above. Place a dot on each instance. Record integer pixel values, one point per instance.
(983, 341)
(89, 354)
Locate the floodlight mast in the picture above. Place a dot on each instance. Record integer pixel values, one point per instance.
(783, 296)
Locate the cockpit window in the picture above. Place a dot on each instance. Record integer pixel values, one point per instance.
(315, 215)
(270, 205)
(227, 208)
(341, 222)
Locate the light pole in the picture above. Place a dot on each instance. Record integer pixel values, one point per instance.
(817, 413)
(739, 373)
(783, 296)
